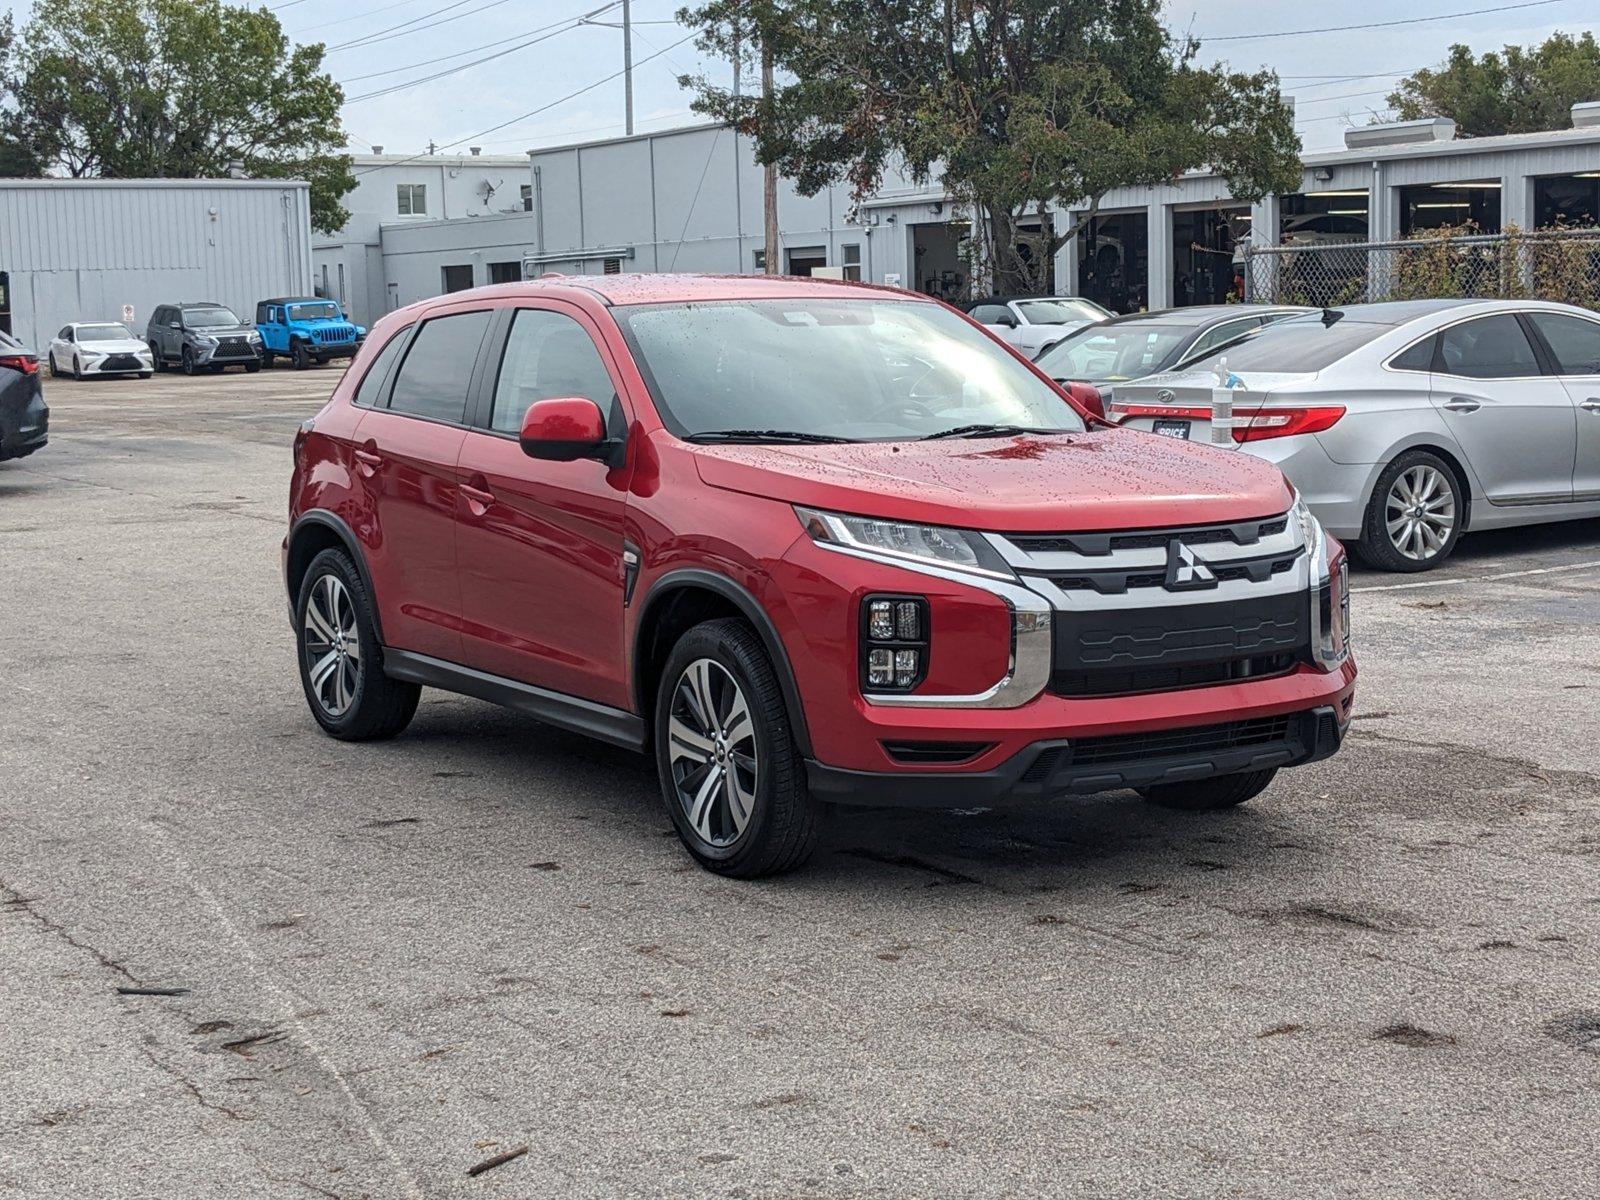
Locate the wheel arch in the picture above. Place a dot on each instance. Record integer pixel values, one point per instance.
(1451, 457)
(684, 598)
(315, 531)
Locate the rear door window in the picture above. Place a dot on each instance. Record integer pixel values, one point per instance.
(1488, 348)
(433, 378)
(549, 356)
(1573, 341)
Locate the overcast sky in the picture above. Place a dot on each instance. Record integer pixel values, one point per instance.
(428, 36)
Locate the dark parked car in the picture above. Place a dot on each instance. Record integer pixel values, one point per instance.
(24, 419)
(202, 336)
(1141, 344)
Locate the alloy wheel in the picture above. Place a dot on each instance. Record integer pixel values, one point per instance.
(332, 645)
(1420, 513)
(713, 753)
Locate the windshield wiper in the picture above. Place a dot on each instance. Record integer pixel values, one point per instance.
(763, 435)
(986, 430)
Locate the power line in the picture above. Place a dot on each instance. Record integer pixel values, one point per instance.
(416, 25)
(360, 16)
(429, 62)
(1476, 12)
(588, 87)
(543, 36)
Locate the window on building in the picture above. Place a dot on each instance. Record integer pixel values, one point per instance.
(526, 191)
(1449, 206)
(1567, 200)
(1488, 348)
(758, 260)
(1574, 341)
(850, 260)
(433, 378)
(411, 199)
(457, 278)
(611, 266)
(549, 356)
(505, 272)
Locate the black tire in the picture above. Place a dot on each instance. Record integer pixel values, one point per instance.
(1375, 546)
(144, 374)
(216, 368)
(187, 361)
(1206, 795)
(51, 360)
(781, 830)
(250, 368)
(77, 371)
(268, 358)
(159, 363)
(378, 707)
(299, 355)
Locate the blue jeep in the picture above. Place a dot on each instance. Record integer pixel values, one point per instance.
(305, 331)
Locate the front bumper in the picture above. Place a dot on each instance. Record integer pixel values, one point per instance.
(121, 364)
(1060, 767)
(337, 350)
(226, 356)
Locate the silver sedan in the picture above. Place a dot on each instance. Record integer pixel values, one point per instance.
(1406, 424)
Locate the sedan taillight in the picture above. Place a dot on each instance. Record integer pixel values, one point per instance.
(26, 363)
(1261, 423)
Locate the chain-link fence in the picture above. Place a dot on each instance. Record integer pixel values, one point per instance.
(1559, 265)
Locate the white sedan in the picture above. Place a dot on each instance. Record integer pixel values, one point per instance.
(87, 348)
(1033, 323)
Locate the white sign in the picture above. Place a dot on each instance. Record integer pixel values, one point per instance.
(891, 279)
(127, 314)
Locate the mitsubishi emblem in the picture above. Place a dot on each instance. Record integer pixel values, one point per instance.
(1185, 571)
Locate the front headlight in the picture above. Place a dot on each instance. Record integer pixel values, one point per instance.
(1315, 539)
(205, 339)
(937, 545)
(252, 336)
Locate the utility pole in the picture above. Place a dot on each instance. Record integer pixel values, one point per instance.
(627, 60)
(769, 188)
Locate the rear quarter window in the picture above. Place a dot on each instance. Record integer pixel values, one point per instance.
(370, 390)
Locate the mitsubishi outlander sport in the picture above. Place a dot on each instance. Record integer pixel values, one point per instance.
(805, 542)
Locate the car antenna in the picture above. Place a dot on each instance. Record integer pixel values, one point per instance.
(1330, 315)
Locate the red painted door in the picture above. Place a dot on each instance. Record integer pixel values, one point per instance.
(540, 543)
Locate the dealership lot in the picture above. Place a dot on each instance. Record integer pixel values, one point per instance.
(402, 961)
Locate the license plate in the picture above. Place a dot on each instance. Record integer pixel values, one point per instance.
(1173, 429)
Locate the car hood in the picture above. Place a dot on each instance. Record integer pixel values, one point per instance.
(116, 346)
(222, 330)
(1104, 479)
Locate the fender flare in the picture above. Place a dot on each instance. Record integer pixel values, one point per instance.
(750, 608)
(323, 518)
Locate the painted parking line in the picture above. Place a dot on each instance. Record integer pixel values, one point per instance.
(1423, 583)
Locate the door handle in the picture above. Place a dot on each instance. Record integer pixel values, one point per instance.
(1592, 404)
(478, 499)
(368, 463)
(1461, 404)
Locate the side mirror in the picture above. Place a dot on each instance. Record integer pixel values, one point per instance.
(1087, 396)
(564, 430)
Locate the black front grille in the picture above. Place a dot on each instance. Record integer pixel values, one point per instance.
(120, 362)
(1114, 583)
(935, 753)
(233, 347)
(1243, 533)
(1161, 743)
(1166, 679)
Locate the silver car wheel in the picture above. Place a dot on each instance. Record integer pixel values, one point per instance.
(713, 753)
(332, 645)
(1420, 512)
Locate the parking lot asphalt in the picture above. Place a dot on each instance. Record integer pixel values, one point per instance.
(403, 961)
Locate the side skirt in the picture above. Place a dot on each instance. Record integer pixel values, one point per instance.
(553, 708)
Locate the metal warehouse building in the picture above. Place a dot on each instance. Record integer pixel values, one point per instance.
(86, 249)
(690, 200)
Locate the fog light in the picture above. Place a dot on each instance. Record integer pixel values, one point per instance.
(880, 667)
(906, 664)
(907, 621)
(880, 620)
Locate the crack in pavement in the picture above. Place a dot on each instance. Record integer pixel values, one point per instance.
(17, 901)
(193, 1088)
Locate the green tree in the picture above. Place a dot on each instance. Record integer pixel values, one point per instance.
(1516, 90)
(177, 89)
(1012, 105)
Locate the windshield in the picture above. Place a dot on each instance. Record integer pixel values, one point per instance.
(104, 333)
(854, 370)
(209, 318)
(1301, 345)
(1061, 312)
(314, 312)
(1113, 353)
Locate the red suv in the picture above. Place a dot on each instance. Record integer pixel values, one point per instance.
(809, 541)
